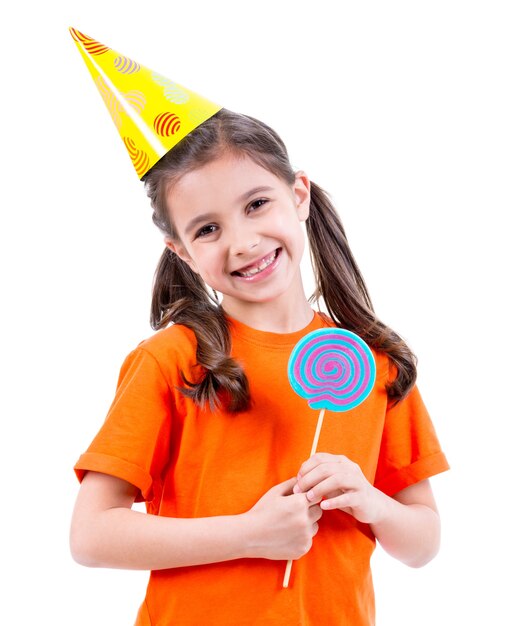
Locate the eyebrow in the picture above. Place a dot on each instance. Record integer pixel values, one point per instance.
(205, 217)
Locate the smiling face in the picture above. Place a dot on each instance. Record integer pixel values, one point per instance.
(239, 227)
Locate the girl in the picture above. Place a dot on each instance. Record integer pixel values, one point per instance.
(206, 429)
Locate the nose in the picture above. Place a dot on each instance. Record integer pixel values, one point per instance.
(243, 239)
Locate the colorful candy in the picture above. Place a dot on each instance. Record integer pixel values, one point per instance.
(332, 368)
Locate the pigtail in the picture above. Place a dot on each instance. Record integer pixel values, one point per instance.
(180, 296)
(341, 286)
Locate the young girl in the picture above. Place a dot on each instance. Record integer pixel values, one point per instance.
(206, 429)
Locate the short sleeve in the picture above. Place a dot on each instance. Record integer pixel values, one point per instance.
(410, 450)
(133, 443)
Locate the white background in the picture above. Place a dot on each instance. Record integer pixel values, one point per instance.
(398, 109)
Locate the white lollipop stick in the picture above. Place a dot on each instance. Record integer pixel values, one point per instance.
(317, 432)
(288, 567)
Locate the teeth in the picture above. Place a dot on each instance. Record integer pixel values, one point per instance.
(260, 267)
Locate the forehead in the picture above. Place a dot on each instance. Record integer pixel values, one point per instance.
(222, 181)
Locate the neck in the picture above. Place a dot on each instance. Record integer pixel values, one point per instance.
(274, 321)
(287, 314)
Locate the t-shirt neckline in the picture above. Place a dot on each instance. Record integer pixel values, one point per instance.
(270, 339)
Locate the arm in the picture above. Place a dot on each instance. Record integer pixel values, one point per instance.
(409, 528)
(106, 532)
(407, 525)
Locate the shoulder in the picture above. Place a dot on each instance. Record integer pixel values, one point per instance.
(386, 371)
(174, 345)
(175, 336)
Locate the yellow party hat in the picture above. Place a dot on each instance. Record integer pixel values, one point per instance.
(151, 112)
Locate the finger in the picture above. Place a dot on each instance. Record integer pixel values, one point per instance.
(322, 473)
(331, 477)
(322, 459)
(342, 502)
(285, 488)
(315, 513)
(314, 461)
(329, 487)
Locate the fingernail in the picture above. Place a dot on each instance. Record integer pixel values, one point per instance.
(310, 495)
(296, 489)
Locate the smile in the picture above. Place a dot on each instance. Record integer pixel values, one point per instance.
(259, 266)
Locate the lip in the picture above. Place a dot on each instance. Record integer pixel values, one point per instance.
(263, 273)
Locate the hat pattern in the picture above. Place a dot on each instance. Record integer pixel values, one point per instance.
(124, 65)
(172, 92)
(139, 158)
(167, 124)
(90, 45)
(136, 99)
(151, 112)
(110, 101)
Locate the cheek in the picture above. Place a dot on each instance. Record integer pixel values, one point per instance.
(207, 261)
(298, 238)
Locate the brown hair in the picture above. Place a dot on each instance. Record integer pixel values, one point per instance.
(181, 296)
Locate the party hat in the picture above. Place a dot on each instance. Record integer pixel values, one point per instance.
(151, 112)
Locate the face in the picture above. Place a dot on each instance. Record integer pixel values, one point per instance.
(239, 227)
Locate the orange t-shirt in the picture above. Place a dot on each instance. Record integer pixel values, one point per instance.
(189, 462)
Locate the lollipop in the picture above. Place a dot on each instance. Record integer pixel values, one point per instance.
(333, 369)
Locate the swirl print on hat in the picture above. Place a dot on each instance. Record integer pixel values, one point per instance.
(114, 107)
(139, 157)
(166, 124)
(124, 65)
(136, 99)
(90, 45)
(332, 368)
(172, 91)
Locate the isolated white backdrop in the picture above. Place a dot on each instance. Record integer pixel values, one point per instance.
(397, 109)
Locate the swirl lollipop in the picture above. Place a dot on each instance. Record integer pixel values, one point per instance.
(333, 369)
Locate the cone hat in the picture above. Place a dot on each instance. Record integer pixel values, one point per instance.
(151, 112)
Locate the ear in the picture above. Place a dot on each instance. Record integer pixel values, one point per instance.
(302, 195)
(180, 251)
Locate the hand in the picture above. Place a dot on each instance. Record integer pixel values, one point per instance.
(283, 523)
(343, 485)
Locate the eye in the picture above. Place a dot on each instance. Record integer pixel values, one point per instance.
(209, 229)
(256, 204)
